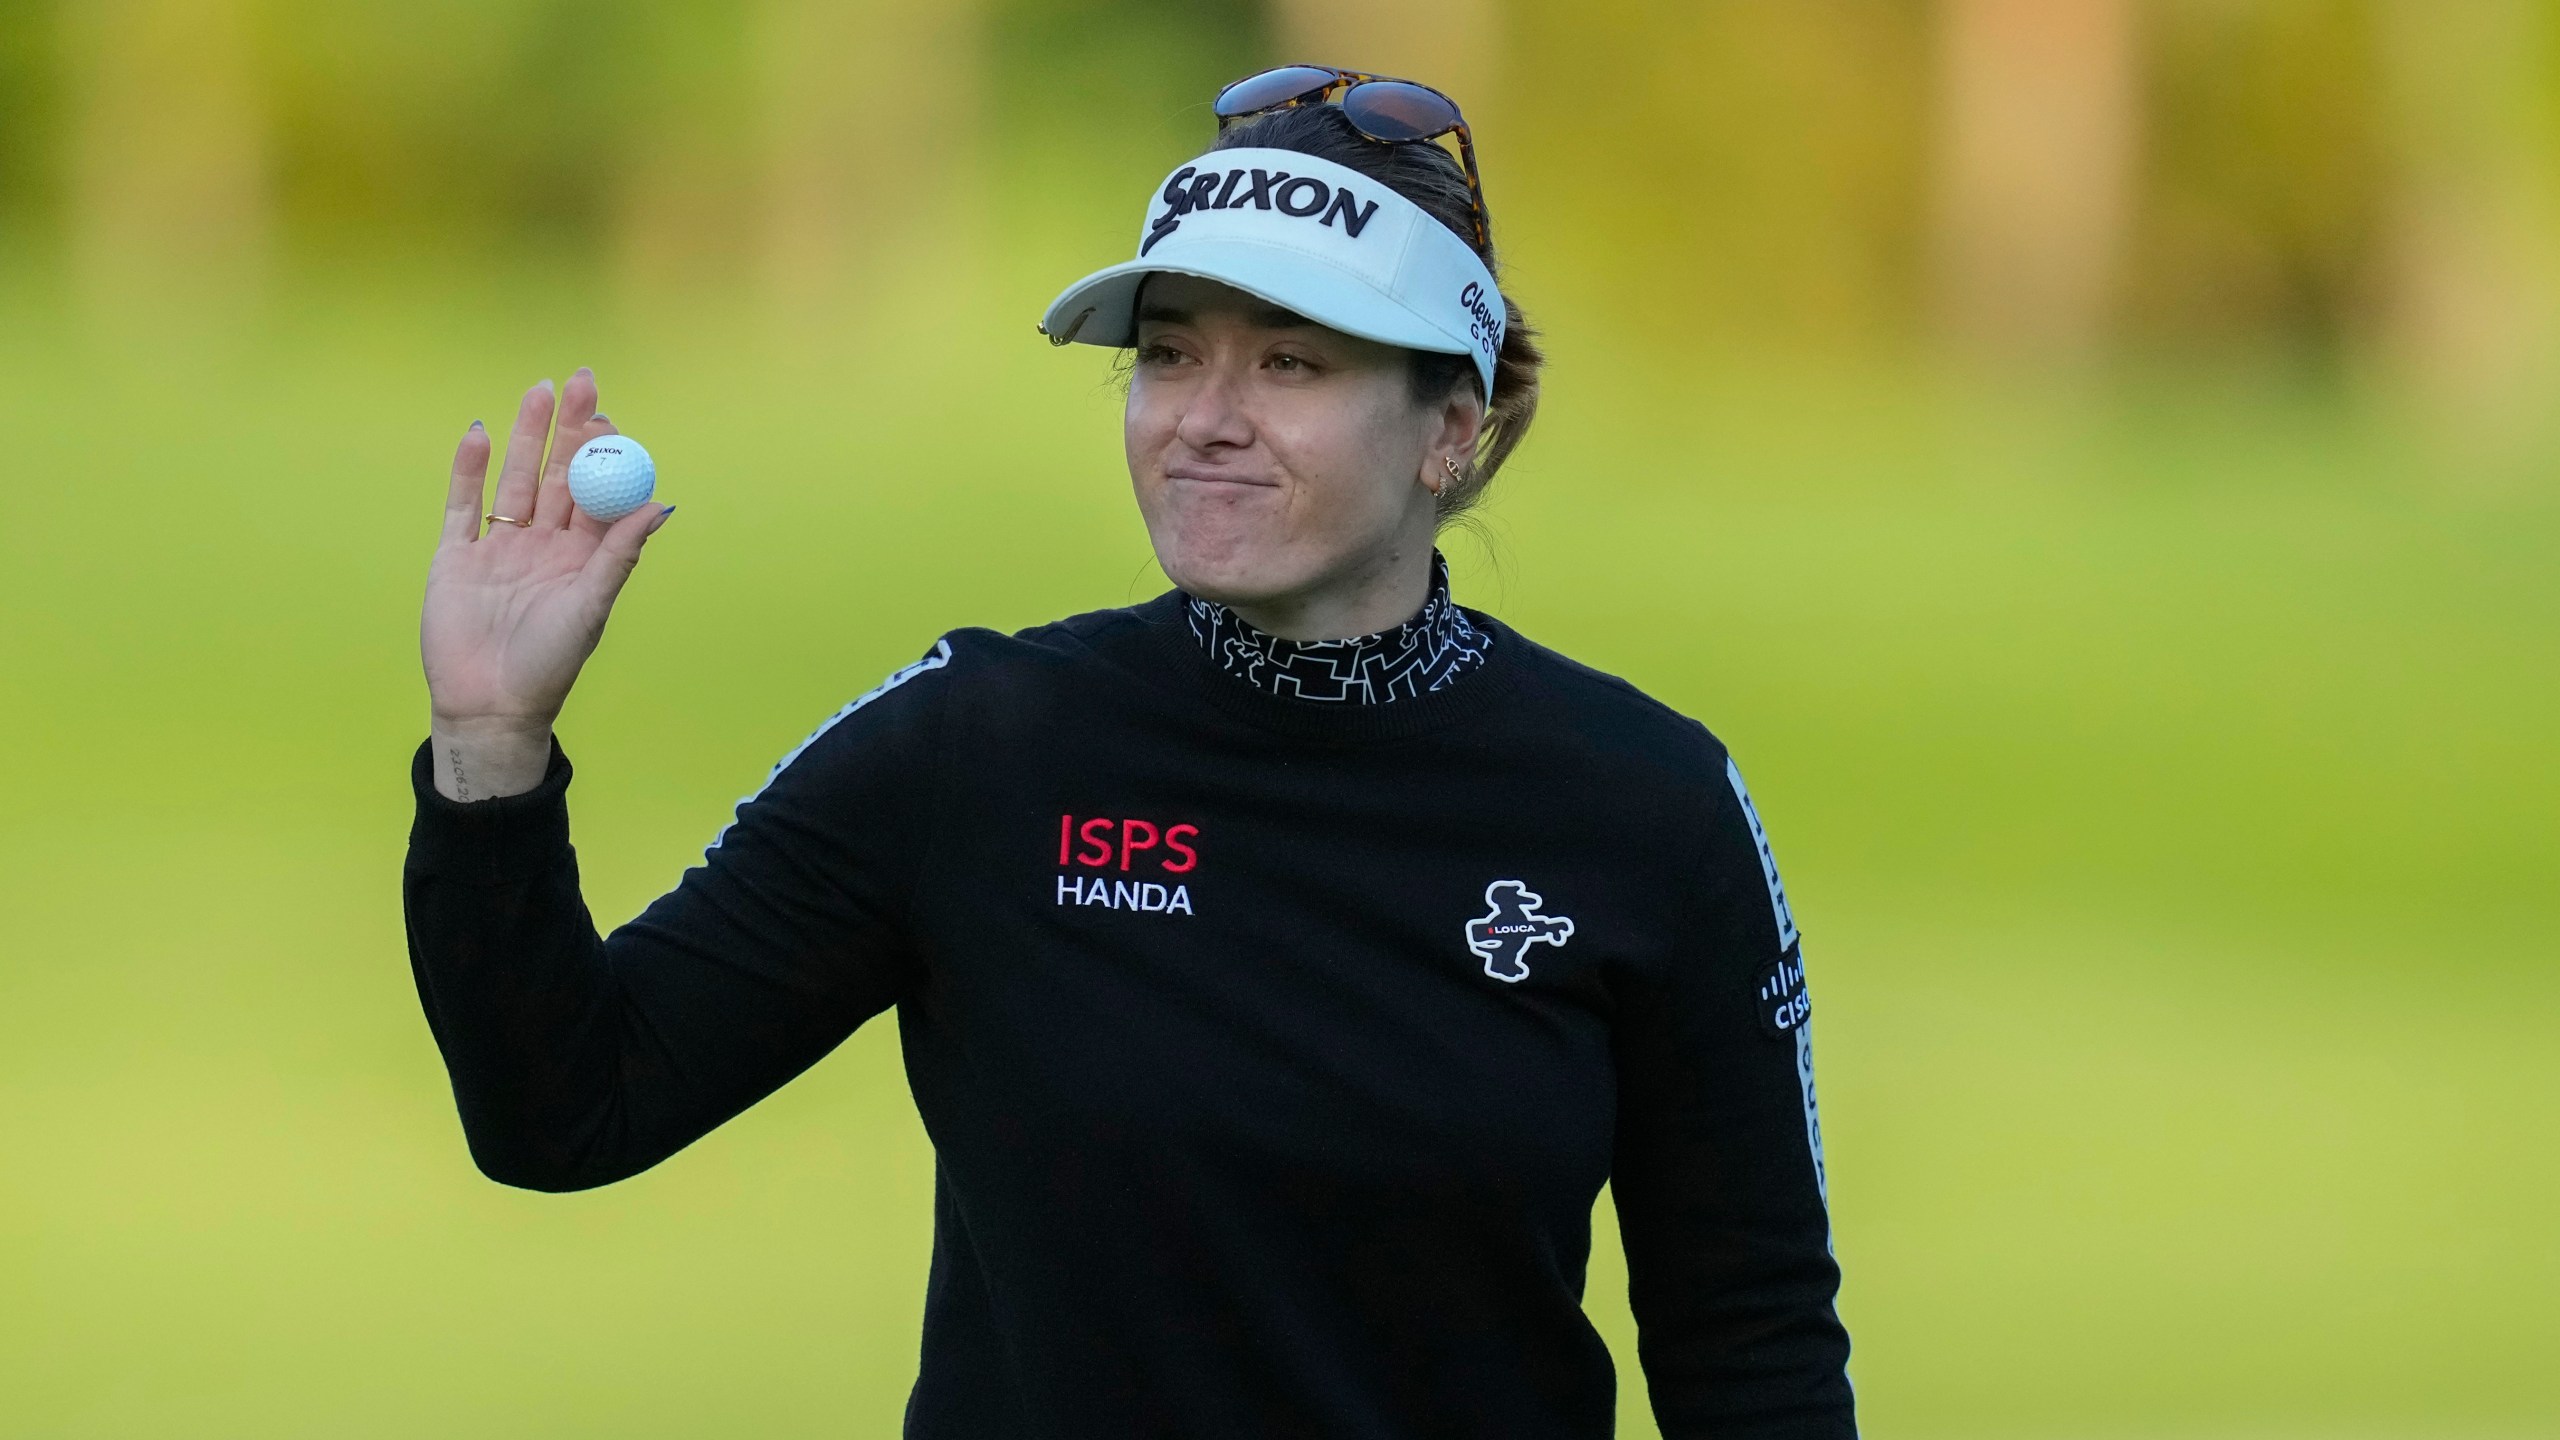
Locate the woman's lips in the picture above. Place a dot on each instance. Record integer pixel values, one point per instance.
(1208, 478)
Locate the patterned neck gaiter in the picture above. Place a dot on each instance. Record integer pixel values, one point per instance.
(1425, 653)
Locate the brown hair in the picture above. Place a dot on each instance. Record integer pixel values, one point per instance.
(1430, 177)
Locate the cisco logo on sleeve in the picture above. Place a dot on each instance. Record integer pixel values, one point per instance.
(1783, 1004)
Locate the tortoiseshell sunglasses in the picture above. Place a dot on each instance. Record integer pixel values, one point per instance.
(1379, 106)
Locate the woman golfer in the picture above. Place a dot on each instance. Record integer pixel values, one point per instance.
(1282, 964)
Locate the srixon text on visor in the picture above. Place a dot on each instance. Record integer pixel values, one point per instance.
(1298, 196)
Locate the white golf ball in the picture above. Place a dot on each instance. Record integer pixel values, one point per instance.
(611, 476)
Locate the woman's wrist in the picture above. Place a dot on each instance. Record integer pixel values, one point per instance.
(487, 759)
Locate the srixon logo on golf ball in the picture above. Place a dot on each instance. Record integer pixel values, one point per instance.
(611, 476)
(1127, 852)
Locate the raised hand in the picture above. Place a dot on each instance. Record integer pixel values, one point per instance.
(511, 615)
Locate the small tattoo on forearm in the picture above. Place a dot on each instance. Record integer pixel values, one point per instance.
(461, 788)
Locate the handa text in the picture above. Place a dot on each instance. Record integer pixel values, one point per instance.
(1147, 895)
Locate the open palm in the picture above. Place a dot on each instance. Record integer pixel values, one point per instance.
(512, 614)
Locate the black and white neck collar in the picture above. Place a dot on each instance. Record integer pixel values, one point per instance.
(1426, 653)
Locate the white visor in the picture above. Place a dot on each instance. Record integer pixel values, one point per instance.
(1304, 233)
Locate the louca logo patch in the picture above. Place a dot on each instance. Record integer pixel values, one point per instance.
(1504, 933)
(1300, 197)
(1782, 1001)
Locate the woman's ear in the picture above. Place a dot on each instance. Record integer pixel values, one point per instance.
(1461, 419)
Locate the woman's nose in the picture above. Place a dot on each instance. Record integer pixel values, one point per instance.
(1215, 414)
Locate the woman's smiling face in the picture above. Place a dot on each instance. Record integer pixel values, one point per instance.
(1275, 458)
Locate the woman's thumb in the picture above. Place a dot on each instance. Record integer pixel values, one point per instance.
(619, 549)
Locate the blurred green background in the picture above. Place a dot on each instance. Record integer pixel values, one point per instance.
(2093, 460)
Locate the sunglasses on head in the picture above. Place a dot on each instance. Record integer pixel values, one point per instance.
(1380, 107)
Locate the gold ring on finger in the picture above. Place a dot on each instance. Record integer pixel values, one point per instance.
(504, 520)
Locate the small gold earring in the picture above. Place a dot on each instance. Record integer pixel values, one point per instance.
(1455, 478)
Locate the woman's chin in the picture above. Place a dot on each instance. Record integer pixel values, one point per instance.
(1227, 566)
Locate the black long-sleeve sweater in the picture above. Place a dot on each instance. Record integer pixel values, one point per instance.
(1273, 1052)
